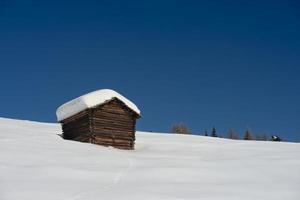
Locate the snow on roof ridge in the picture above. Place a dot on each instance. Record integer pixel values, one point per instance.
(90, 100)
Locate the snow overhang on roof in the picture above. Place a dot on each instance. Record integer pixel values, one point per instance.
(91, 100)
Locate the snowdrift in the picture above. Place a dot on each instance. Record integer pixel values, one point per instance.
(36, 163)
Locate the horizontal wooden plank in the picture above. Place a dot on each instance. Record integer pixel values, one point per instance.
(74, 134)
(123, 137)
(107, 113)
(112, 132)
(112, 119)
(112, 108)
(76, 126)
(110, 140)
(83, 138)
(106, 123)
(113, 127)
(78, 129)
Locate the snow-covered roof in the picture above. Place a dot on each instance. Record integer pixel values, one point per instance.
(91, 100)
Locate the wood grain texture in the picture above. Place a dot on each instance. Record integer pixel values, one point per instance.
(110, 124)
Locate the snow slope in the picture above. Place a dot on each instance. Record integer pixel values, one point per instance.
(35, 164)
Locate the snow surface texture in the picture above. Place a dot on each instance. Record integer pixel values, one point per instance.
(36, 163)
(91, 100)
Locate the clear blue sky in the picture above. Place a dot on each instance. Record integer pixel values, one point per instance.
(229, 64)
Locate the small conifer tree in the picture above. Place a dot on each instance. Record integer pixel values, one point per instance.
(205, 133)
(214, 132)
(248, 135)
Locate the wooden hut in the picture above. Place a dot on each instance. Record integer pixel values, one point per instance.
(102, 117)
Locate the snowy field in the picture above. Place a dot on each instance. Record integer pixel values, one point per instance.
(37, 164)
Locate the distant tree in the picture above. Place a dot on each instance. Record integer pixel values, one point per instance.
(205, 133)
(214, 132)
(180, 128)
(248, 135)
(232, 134)
(276, 138)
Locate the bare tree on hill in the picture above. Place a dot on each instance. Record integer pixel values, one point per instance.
(180, 128)
(232, 134)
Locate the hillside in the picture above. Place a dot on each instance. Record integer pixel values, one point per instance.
(36, 163)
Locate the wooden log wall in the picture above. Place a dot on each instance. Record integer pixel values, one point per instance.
(111, 124)
(77, 128)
